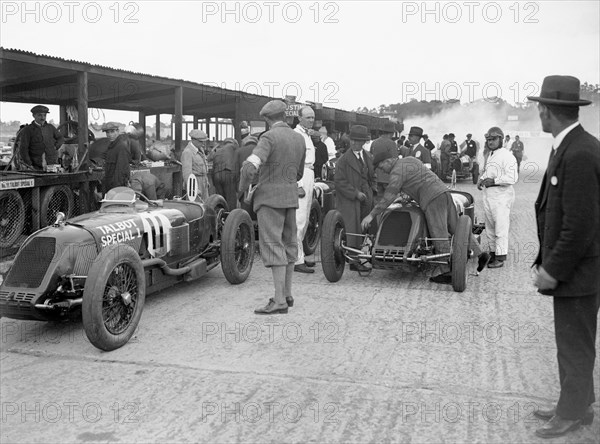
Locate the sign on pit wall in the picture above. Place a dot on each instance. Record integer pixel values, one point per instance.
(16, 183)
(293, 109)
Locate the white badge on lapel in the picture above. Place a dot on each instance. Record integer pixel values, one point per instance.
(418, 154)
(554, 180)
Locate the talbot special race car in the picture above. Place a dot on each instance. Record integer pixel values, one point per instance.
(104, 263)
(402, 242)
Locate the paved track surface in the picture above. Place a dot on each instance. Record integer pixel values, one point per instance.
(384, 358)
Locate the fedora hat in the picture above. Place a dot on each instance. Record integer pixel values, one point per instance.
(561, 91)
(416, 131)
(359, 132)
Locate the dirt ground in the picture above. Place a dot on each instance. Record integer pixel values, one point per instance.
(386, 358)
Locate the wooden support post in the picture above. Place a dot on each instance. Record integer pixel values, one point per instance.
(63, 117)
(82, 111)
(157, 138)
(195, 123)
(142, 121)
(178, 120)
(208, 127)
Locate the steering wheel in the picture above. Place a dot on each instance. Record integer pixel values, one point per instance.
(143, 198)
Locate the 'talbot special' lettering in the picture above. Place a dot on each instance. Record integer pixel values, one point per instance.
(119, 232)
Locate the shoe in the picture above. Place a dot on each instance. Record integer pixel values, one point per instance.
(587, 419)
(484, 259)
(359, 267)
(302, 268)
(495, 264)
(310, 263)
(557, 426)
(271, 308)
(444, 278)
(290, 301)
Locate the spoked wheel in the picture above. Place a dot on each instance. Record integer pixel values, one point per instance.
(237, 246)
(12, 217)
(113, 297)
(55, 199)
(460, 253)
(313, 231)
(333, 260)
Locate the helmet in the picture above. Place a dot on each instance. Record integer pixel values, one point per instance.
(494, 131)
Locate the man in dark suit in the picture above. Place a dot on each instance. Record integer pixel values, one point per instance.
(281, 152)
(416, 149)
(568, 215)
(354, 182)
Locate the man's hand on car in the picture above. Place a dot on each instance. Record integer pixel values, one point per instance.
(366, 222)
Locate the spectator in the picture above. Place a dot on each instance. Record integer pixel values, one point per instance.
(225, 174)
(417, 150)
(193, 161)
(149, 185)
(116, 168)
(328, 141)
(517, 150)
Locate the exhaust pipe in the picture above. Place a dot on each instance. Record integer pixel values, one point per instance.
(67, 303)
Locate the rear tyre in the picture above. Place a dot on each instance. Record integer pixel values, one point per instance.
(332, 253)
(55, 199)
(237, 246)
(313, 231)
(113, 297)
(460, 253)
(12, 217)
(475, 173)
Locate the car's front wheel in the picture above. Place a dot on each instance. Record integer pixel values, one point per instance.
(113, 297)
(237, 246)
(333, 259)
(460, 253)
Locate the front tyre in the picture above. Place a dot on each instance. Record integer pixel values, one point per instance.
(113, 297)
(237, 246)
(460, 253)
(333, 259)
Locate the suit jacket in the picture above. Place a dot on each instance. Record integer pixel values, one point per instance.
(350, 178)
(568, 216)
(282, 152)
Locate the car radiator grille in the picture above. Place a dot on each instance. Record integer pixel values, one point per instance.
(86, 255)
(31, 263)
(395, 229)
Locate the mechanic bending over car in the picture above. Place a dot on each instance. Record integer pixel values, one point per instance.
(409, 175)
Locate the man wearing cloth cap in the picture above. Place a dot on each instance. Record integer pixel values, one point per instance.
(118, 154)
(416, 149)
(39, 138)
(193, 160)
(497, 180)
(568, 214)
(278, 159)
(383, 144)
(412, 177)
(469, 147)
(354, 180)
(307, 184)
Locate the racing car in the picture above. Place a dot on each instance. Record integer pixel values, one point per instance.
(460, 168)
(104, 263)
(401, 242)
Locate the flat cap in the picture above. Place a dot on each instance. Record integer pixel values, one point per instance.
(39, 109)
(272, 108)
(198, 134)
(110, 126)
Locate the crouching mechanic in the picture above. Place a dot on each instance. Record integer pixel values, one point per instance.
(411, 176)
(497, 179)
(149, 185)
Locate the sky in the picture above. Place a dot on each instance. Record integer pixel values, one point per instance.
(342, 54)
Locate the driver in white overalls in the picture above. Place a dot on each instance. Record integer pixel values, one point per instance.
(497, 180)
